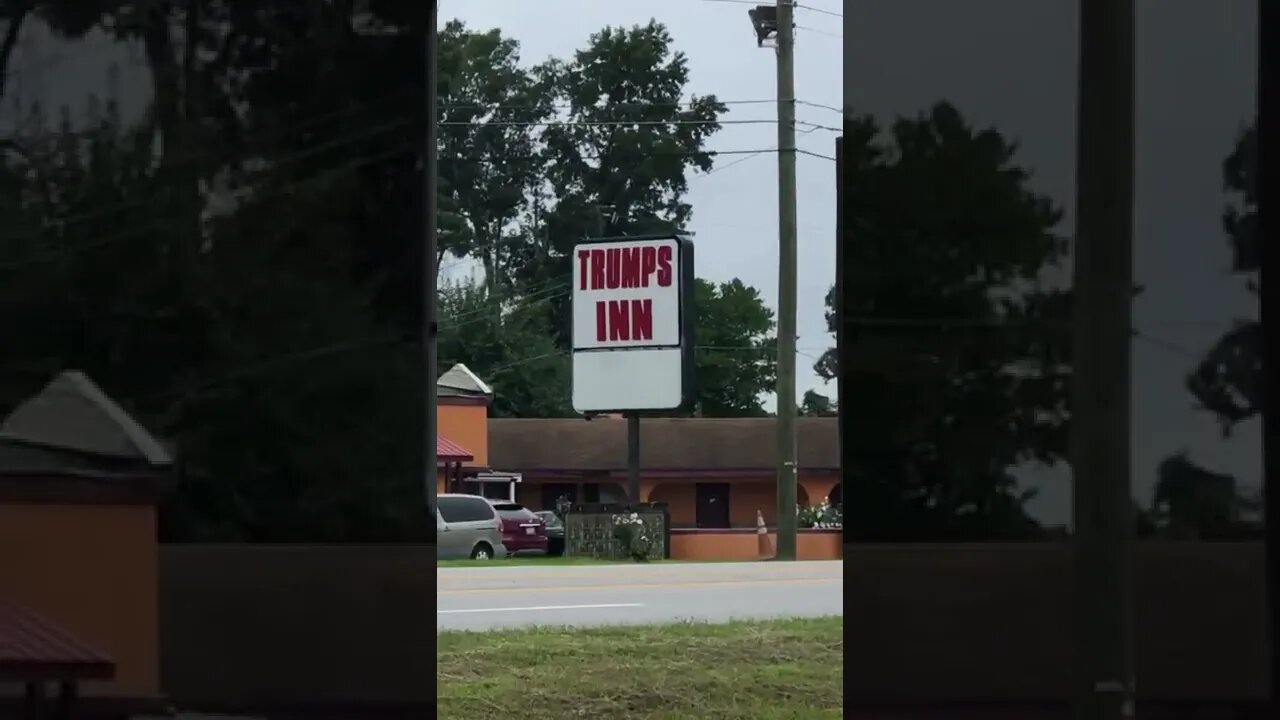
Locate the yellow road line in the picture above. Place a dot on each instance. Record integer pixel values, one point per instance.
(612, 572)
(637, 586)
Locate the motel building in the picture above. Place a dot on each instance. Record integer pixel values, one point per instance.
(462, 438)
(714, 474)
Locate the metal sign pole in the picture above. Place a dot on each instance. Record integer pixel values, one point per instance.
(633, 456)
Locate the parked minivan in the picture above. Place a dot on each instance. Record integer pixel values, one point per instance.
(467, 526)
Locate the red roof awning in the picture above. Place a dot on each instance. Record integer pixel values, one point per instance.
(450, 451)
(32, 648)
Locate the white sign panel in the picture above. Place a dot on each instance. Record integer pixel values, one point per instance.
(628, 337)
(626, 295)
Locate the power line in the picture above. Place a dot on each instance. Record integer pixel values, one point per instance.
(739, 161)
(832, 13)
(568, 105)
(811, 153)
(604, 123)
(619, 123)
(820, 106)
(272, 166)
(816, 31)
(133, 231)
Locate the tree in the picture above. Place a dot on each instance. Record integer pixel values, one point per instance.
(815, 404)
(505, 341)
(259, 338)
(736, 357)
(1191, 502)
(489, 163)
(619, 156)
(1228, 380)
(959, 353)
(252, 291)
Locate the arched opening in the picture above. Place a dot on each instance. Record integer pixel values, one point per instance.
(836, 496)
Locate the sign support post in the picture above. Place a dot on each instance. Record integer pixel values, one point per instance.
(633, 457)
(633, 332)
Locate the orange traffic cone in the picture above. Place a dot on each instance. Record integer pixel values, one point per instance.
(763, 545)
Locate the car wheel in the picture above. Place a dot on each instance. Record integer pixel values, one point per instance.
(482, 552)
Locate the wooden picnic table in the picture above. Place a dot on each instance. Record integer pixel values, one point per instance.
(36, 653)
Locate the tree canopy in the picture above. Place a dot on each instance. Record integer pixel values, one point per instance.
(242, 265)
(958, 345)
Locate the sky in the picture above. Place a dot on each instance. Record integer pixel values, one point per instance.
(1004, 63)
(735, 208)
(1011, 64)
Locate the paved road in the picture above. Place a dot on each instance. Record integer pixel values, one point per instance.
(584, 595)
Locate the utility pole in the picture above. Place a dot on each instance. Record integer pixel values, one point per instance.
(842, 335)
(778, 19)
(1100, 417)
(429, 268)
(1268, 29)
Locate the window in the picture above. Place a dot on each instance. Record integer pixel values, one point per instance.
(514, 511)
(464, 509)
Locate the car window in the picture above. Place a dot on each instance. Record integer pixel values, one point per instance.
(514, 511)
(458, 509)
(478, 509)
(451, 509)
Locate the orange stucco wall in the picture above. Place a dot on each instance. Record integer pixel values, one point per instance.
(746, 495)
(467, 425)
(810, 545)
(91, 569)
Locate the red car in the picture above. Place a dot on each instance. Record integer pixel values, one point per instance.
(522, 531)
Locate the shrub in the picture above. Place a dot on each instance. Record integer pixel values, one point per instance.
(634, 535)
(820, 517)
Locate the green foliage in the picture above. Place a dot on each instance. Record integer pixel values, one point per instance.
(737, 357)
(815, 404)
(243, 267)
(612, 178)
(1228, 380)
(959, 354)
(1191, 502)
(489, 162)
(506, 341)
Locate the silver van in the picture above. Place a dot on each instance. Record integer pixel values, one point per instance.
(467, 526)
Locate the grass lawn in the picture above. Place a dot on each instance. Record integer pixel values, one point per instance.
(774, 670)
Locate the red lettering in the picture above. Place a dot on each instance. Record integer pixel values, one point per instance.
(642, 319)
(583, 256)
(624, 320)
(597, 269)
(648, 263)
(664, 266)
(619, 323)
(631, 267)
(613, 271)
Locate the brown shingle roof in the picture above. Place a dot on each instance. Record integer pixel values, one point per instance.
(523, 445)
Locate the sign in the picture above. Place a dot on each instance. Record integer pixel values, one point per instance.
(632, 324)
(588, 529)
